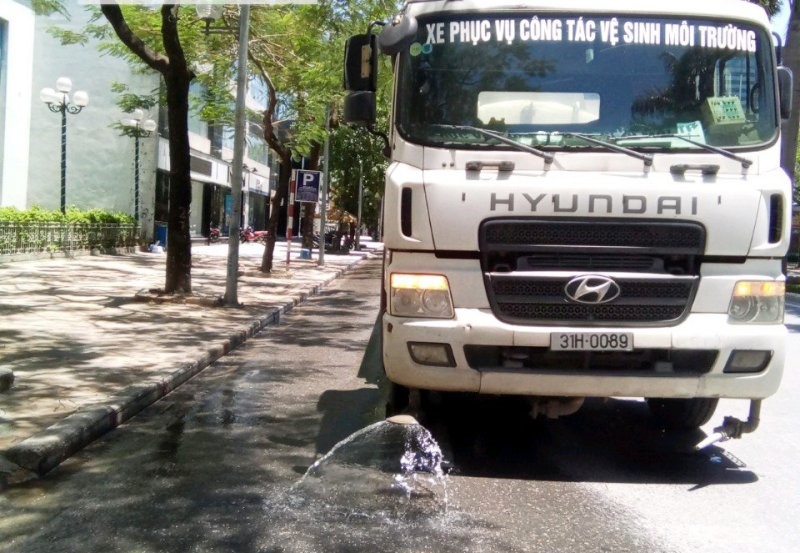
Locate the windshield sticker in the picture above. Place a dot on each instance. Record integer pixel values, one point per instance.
(609, 31)
(692, 130)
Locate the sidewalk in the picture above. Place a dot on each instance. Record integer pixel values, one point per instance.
(87, 353)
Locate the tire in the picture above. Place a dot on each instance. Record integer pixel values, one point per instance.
(682, 414)
(396, 398)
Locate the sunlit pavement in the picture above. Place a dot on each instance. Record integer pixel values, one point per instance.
(82, 343)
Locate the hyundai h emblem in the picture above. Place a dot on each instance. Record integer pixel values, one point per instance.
(592, 290)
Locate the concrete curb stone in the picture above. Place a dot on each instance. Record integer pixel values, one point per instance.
(6, 379)
(12, 474)
(45, 450)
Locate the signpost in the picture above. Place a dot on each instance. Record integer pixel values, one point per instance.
(290, 216)
(303, 188)
(308, 189)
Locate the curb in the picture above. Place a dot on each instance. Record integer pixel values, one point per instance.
(45, 450)
(6, 379)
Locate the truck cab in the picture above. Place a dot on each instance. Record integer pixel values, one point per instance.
(583, 201)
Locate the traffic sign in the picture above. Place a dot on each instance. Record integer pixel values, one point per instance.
(308, 186)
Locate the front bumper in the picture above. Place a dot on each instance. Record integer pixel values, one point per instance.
(479, 327)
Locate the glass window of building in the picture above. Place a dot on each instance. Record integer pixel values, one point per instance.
(3, 58)
(196, 124)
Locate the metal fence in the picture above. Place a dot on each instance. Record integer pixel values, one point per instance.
(38, 237)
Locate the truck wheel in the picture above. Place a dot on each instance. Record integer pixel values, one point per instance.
(396, 398)
(682, 414)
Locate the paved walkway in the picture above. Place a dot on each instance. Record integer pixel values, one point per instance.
(86, 353)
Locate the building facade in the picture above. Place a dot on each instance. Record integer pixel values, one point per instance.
(17, 24)
(100, 161)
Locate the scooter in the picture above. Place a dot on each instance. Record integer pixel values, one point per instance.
(213, 234)
(247, 234)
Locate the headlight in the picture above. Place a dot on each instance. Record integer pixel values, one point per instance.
(757, 302)
(420, 296)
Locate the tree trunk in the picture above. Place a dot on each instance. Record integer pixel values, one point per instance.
(281, 193)
(179, 248)
(177, 76)
(307, 224)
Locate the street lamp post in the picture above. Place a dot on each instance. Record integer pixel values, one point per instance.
(209, 12)
(323, 204)
(360, 194)
(138, 127)
(59, 102)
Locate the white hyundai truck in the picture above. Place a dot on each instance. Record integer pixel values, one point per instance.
(583, 200)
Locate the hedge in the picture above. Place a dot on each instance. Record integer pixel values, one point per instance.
(73, 215)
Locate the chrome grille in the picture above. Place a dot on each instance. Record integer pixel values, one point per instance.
(530, 300)
(557, 262)
(528, 312)
(528, 263)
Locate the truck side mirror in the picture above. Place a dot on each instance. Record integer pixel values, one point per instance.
(397, 35)
(785, 90)
(361, 63)
(360, 80)
(359, 108)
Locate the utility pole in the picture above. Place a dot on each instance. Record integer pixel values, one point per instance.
(231, 282)
(360, 193)
(323, 202)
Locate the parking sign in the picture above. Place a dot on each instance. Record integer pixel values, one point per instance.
(308, 186)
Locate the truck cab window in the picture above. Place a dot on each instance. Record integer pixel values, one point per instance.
(651, 79)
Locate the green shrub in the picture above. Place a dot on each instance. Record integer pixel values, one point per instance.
(73, 215)
(40, 230)
(36, 213)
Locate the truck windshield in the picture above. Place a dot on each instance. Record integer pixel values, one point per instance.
(537, 79)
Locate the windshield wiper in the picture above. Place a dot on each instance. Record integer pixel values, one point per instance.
(721, 151)
(646, 158)
(547, 157)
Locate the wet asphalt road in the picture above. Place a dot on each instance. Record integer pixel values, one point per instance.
(214, 466)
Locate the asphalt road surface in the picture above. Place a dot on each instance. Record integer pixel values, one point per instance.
(218, 465)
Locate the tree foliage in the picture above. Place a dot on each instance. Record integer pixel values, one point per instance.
(356, 153)
(770, 6)
(791, 55)
(48, 7)
(297, 50)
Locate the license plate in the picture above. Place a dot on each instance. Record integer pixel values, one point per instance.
(591, 341)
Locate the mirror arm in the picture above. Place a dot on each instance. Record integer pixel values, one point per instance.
(387, 148)
(375, 24)
(778, 48)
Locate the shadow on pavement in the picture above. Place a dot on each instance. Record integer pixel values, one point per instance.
(612, 441)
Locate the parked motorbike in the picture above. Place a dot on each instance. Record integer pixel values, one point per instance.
(344, 244)
(247, 234)
(328, 239)
(213, 234)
